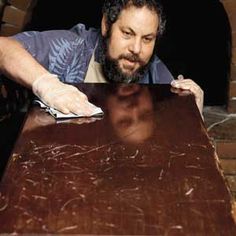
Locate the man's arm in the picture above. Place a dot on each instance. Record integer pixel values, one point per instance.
(17, 64)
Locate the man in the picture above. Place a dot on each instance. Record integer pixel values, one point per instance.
(123, 51)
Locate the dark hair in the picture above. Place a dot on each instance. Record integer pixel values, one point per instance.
(112, 9)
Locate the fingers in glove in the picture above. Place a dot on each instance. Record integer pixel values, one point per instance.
(189, 85)
(83, 108)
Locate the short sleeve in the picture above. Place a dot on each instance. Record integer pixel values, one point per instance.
(42, 44)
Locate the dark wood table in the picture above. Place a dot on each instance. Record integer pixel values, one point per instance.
(146, 167)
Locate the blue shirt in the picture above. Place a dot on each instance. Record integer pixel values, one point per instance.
(67, 53)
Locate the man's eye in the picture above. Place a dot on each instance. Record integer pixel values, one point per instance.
(126, 33)
(147, 40)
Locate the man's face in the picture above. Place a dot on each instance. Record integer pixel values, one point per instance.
(131, 42)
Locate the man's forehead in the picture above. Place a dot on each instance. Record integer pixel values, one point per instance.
(137, 19)
(131, 10)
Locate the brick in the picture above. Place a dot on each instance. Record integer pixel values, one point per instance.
(228, 166)
(232, 19)
(230, 6)
(1, 6)
(234, 38)
(9, 30)
(234, 56)
(226, 149)
(23, 4)
(233, 72)
(15, 16)
(231, 107)
(232, 89)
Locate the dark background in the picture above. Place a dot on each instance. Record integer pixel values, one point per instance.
(196, 42)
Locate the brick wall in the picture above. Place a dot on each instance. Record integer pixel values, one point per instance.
(15, 15)
(230, 7)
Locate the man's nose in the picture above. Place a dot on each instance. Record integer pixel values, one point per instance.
(136, 46)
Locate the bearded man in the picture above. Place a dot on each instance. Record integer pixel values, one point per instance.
(123, 51)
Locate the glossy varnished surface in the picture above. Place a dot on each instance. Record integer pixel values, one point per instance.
(146, 167)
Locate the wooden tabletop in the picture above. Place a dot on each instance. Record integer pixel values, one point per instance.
(146, 167)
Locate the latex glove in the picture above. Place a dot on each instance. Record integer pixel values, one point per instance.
(191, 86)
(63, 97)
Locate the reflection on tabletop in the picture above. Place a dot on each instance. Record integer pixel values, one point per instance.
(146, 167)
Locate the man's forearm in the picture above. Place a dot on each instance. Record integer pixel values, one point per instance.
(17, 64)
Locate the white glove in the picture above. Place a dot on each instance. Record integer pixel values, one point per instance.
(191, 86)
(63, 97)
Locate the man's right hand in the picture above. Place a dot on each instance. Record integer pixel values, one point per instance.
(63, 97)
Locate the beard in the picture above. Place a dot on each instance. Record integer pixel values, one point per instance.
(112, 71)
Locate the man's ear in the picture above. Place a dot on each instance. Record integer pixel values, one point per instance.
(104, 25)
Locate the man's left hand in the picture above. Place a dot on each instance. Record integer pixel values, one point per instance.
(189, 85)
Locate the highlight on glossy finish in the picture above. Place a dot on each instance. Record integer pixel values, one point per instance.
(146, 167)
